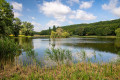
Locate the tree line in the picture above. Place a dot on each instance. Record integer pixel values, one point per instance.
(102, 28)
(10, 25)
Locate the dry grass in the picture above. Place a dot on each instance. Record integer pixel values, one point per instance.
(79, 71)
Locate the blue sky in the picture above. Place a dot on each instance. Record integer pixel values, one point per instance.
(46, 13)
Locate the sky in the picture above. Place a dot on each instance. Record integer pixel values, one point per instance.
(46, 13)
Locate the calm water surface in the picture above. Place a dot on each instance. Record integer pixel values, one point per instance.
(96, 49)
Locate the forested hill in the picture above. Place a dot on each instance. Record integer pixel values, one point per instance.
(98, 28)
(101, 28)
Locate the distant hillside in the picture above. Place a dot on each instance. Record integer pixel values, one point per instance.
(102, 28)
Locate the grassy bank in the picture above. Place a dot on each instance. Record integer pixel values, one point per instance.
(46, 36)
(79, 71)
(95, 36)
(76, 36)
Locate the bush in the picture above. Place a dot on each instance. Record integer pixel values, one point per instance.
(65, 34)
(8, 46)
(60, 33)
(117, 31)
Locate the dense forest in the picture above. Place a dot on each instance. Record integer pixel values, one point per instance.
(11, 25)
(102, 28)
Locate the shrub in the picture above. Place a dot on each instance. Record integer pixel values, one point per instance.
(8, 46)
(117, 31)
(65, 34)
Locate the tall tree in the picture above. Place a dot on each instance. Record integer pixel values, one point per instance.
(27, 28)
(49, 31)
(6, 17)
(80, 31)
(17, 26)
(54, 28)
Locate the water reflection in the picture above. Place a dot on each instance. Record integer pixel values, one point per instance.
(34, 48)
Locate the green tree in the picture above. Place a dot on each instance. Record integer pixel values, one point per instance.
(117, 31)
(54, 28)
(49, 31)
(44, 32)
(59, 32)
(80, 31)
(27, 28)
(6, 17)
(17, 26)
(53, 34)
(65, 34)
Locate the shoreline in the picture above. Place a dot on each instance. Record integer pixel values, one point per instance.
(74, 36)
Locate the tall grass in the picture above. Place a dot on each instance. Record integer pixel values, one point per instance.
(59, 55)
(8, 46)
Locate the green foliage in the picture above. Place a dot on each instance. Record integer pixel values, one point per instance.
(49, 31)
(27, 29)
(60, 33)
(59, 55)
(16, 26)
(44, 32)
(6, 17)
(65, 34)
(9, 24)
(117, 31)
(80, 31)
(54, 28)
(102, 28)
(8, 46)
(53, 34)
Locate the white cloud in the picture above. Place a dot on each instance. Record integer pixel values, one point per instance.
(55, 9)
(86, 5)
(51, 23)
(112, 4)
(61, 13)
(17, 14)
(37, 26)
(116, 11)
(112, 7)
(17, 6)
(82, 15)
(33, 18)
(71, 2)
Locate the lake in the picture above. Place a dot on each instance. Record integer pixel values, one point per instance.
(96, 49)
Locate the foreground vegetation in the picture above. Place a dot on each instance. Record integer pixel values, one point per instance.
(62, 71)
(8, 46)
(79, 71)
